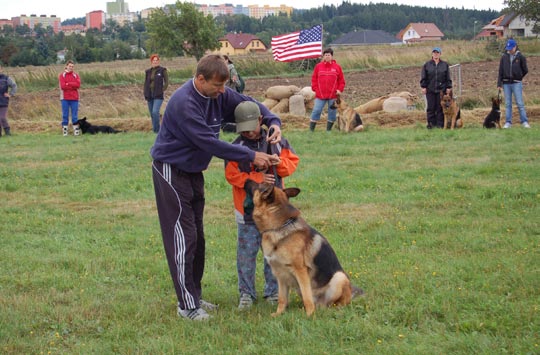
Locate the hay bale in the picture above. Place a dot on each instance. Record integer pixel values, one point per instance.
(395, 104)
(281, 107)
(270, 103)
(279, 92)
(412, 99)
(372, 105)
(310, 104)
(307, 93)
(296, 105)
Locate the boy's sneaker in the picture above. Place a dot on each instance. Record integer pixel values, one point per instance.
(76, 130)
(194, 314)
(207, 306)
(272, 299)
(526, 125)
(245, 302)
(64, 131)
(507, 125)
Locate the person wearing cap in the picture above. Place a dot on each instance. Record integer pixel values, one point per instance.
(253, 135)
(327, 81)
(8, 88)
(512, 70)
(435, 79)
(186, 142)
(155, 84)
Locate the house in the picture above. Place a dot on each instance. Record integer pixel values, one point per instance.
(505, 26)
(420, 32)
(240, 43)
(365, 37)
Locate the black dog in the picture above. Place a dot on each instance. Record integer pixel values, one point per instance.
(493, 119)
(87, 127)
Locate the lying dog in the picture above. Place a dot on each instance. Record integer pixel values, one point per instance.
(348, 119)
(300, 257)
(451, 111)
(493, 119)
(87, 127)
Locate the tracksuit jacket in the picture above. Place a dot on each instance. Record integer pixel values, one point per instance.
(237, 173)
(435, 77)
(512, 72)
(70, 82)
(326, 79)
(189, 114)
(155, 86)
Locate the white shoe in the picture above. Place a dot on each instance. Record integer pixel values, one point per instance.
(207, 306)
(76, 130)
(526, 125)
(245, 302)
(64, 130)
(507, 125)
(194, 314)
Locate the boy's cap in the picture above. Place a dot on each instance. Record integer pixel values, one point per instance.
(510, 44)
(436, 49)
(246, 115)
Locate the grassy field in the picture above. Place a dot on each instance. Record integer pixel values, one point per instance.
(440, 229)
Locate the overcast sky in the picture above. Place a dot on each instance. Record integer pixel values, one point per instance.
(66, 9)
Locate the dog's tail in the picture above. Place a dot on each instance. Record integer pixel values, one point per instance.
(357, 291)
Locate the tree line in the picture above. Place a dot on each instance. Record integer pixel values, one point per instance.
(183, 30)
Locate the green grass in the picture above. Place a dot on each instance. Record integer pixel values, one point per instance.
(440, 228)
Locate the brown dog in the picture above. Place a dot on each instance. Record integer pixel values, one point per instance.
(493, 119)
(451, 111)
(300, 257)
(348, 119)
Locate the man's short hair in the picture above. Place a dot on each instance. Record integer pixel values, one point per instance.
(328, 50)
(213, 66)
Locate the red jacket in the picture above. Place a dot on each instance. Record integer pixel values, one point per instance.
(69, 85)
(327, 78)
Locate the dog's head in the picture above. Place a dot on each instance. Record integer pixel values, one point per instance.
(270, 204)
(446, 101)
(338, 104)
(83, 124)
(496, 103)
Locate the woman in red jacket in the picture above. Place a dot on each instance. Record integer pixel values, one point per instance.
(327, 82)
(70, 82)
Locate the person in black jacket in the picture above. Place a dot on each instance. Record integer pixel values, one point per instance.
(512, 69)
(155, 84)
(8, 88)
(435, 79)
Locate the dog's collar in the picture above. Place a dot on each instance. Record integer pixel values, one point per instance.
(283, 226)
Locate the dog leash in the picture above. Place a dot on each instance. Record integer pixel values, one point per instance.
(269, 151)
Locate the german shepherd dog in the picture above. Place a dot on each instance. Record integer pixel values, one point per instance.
(87, 127)
(451, 111)
(493, 119)
(300, 257)
(348, 119)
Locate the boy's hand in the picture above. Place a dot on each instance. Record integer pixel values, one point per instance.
(274, 134)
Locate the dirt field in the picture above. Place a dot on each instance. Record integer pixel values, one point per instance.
(479, 85)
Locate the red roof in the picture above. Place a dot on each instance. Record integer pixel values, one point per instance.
(426, 29)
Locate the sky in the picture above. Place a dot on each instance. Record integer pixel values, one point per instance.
(66, 9)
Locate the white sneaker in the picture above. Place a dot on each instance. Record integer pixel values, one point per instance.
(207, 306)
(194, 314)
(76, 130)
(64, 130)
(272, 299)
(526, 125)
(245, 302)
(507, 125)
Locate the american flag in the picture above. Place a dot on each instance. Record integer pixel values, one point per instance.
(303, 44)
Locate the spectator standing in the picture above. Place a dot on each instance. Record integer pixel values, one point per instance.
(435, 79)
(327, 81)
(8, 88)
(234, 79)
(185, 144)
(512, 70)
(252, 135)
(70, 82)
(155, 84)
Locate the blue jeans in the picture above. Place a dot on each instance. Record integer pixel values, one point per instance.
(68, 105)
(249, 243)
(154, 106)
(318, 107)
(515, 89)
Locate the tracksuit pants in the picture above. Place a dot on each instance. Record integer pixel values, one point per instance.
(180, 205)
(435, 115)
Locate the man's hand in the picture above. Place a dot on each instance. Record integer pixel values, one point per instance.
(275, 137)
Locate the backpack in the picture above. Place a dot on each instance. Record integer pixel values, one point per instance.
(241, 84)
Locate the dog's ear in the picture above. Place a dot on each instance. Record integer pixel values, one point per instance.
(292, 191)
(266, 190)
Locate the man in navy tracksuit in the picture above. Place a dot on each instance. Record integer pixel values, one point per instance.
(184, 146)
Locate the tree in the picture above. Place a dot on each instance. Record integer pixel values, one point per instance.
(530, 9)
(181, 28)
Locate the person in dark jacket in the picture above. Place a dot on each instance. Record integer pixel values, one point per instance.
(8, 88)
(512, 70)
(185, 144)
(70, 82)
(327, 81)
(435, 79)
(155, 83)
